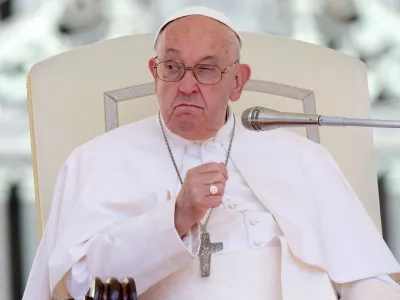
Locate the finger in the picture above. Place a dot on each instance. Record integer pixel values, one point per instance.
(212, 201)
(213, 167)
(210, 178)
(198, 180)
(210, 167)
(198, 190)
(203, 169)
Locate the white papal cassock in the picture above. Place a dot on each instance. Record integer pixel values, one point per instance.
(291, 226)
(249, 267)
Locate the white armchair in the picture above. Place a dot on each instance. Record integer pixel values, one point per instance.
(78, 95)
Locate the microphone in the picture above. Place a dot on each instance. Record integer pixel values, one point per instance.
(263, 118)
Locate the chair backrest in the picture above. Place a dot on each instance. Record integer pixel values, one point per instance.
(76, 96)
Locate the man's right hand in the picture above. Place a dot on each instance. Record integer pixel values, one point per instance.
(195, 198)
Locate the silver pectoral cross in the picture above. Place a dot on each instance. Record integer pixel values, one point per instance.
(206, 249)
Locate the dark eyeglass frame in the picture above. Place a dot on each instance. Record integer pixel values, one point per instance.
(225, 71)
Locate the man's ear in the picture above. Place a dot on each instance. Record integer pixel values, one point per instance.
(152, 69)
(242, 75)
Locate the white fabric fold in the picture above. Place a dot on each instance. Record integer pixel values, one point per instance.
(301, 282)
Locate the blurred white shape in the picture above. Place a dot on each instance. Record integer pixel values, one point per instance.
(128, 17)
(380, 41)
(27, 6)
(81, 14)
(305, 27)
(335, 19)
(83, 22)
(25, 40)
(340, 9)
(387, 141)
(392, 4)
(244, 14)
(36, 25)
(275, 17)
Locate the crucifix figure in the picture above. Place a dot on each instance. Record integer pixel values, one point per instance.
(206, 249)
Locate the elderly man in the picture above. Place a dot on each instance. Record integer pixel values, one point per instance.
(169, 201)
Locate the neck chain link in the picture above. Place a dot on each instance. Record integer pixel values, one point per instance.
(202, 227)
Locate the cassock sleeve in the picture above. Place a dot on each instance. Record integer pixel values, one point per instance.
(103, 224)
(146, 248)
(382, 287)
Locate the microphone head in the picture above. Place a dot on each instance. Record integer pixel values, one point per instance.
(249, 116)
(263, 118)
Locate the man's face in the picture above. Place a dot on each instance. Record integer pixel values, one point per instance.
(190, 109)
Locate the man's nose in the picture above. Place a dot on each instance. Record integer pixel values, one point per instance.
(189, 84)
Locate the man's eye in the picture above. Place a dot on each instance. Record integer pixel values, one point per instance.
(207, 68)
(172, 67)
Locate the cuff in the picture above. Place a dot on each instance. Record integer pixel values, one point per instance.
(192, 240)
(344, 289)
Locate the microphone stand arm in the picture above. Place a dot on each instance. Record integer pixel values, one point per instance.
(336, 121)
(261, 118)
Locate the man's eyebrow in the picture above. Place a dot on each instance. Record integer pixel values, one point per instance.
(212, 57)
(172, 50)
(207, 57)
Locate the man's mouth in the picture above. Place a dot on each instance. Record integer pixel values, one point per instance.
(188, 105)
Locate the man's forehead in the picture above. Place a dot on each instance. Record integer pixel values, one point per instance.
(198, 25)
(200, 56)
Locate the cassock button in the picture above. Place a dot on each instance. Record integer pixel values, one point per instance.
(254, 222)
(209, 146)
(258, 243)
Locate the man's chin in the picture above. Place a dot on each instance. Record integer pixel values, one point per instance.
(187, 115)
(185, 122)
(188, 126)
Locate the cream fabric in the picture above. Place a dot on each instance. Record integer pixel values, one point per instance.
(67, 91)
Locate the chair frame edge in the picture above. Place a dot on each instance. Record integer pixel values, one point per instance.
(34, 163)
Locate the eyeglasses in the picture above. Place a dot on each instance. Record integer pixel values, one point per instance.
(173, 71)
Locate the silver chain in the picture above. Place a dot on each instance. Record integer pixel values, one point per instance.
(203, 227)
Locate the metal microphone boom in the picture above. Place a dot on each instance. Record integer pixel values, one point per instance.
(263, 118)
